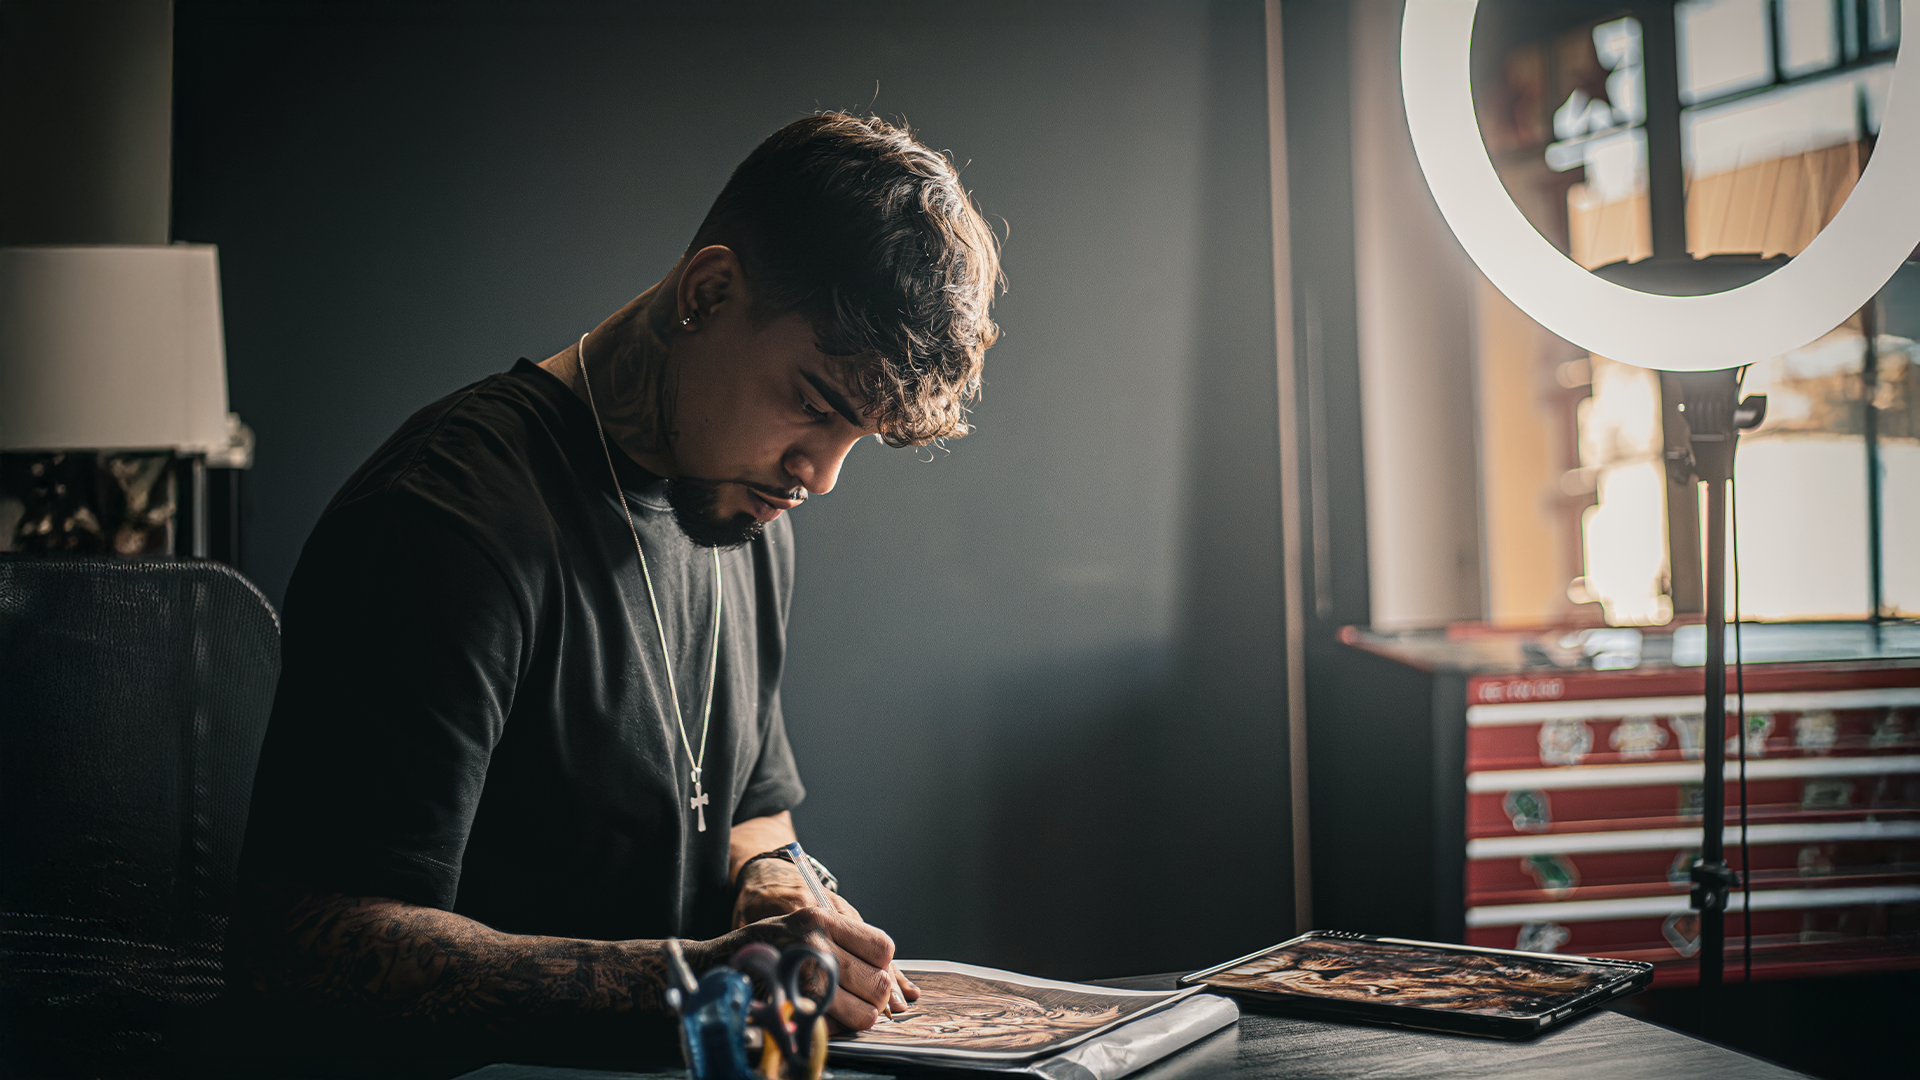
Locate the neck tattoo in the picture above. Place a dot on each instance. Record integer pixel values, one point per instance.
(698, 803)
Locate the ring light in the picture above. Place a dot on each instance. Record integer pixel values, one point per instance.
(1817, 290)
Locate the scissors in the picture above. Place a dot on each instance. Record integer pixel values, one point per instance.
(792, 1016)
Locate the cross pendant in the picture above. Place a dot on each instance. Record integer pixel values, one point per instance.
(699, 804)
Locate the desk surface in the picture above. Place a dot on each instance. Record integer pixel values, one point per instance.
(1601, 1046)
(1604, 1046)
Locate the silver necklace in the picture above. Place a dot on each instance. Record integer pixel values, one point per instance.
(698, 804)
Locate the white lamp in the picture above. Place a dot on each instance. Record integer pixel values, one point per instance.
(112, 348)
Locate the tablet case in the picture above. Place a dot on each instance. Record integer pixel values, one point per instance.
(1424, 984)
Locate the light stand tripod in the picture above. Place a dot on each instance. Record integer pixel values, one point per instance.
(1715, 417)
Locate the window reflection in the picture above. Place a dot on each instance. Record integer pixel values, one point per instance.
(1624, 534)
(1599, 128)
(1802, 485)
(1809, 36)
(1883, 23)
(1780, 104)
(1725, 46)
(1896, 400)
(1766, 174)
(1770, 157)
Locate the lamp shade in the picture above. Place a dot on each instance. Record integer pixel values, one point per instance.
(112, 347)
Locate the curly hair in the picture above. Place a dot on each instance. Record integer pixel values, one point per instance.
(856, 225)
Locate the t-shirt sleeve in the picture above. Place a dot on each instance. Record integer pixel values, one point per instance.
(403, 644)
(774, 784)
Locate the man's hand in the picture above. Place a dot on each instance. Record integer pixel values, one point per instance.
(774, 906)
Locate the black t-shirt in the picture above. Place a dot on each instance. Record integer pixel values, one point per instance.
(473, 713)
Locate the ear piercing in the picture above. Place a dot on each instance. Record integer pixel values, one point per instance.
(687, 323)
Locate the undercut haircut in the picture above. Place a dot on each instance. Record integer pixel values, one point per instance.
(854, 224)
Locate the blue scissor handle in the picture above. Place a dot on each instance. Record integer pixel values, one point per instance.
(713, 1028)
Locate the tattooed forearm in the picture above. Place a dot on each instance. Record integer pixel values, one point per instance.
(327, 962)
(382, 958)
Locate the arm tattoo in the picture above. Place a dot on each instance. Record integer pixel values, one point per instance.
(381, 958)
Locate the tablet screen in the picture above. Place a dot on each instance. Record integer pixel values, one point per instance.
(1416, 975)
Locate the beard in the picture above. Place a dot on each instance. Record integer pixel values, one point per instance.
(696, 510)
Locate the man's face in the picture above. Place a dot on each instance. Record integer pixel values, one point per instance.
(761, 421)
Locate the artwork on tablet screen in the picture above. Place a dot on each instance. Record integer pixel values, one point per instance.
(959, 1011)
(1384, 973)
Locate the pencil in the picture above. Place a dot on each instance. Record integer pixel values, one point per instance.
(807, 874)
(820, 898)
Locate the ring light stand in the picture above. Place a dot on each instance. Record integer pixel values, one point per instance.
(1704, 337)
(1714, 422)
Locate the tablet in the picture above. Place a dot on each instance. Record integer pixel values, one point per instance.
(1424, 984)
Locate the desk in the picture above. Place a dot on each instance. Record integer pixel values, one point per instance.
(1600, 1046)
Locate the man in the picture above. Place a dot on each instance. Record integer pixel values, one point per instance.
(529, 719)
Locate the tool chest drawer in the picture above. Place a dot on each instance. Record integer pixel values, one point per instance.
(1583, 816)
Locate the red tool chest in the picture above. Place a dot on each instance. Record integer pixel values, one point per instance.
(1582, 794)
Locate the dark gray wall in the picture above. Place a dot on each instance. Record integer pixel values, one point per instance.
(84, 101)
(1036, 683)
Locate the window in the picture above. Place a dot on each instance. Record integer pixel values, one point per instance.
(1780, 101)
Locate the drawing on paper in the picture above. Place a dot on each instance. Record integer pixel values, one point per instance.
(965, 1010)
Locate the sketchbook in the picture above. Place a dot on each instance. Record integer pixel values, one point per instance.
(984, 1018)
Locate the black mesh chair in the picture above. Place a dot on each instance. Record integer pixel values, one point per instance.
(133, 698)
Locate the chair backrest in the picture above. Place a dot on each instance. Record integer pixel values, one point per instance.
(133, 699)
